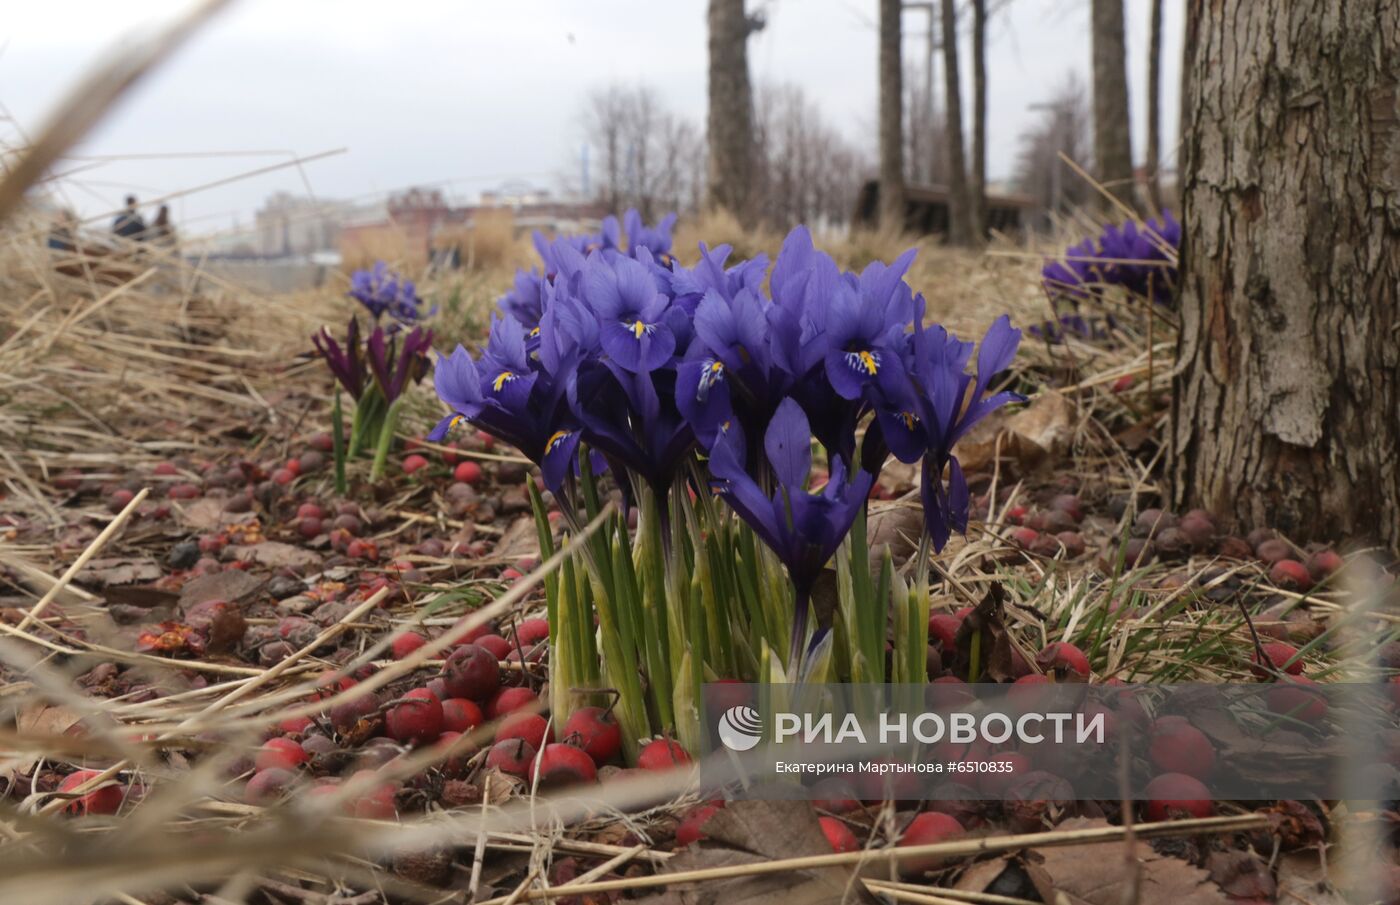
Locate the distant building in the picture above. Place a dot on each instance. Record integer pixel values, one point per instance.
(288, 225)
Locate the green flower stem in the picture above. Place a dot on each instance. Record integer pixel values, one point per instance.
(386, 441)
(338, 444)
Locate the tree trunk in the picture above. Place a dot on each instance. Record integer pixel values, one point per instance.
(731, 109)
(1113, 150)
(959, 232)
(891, 118)
(1286, 404)
(978, 188)
(1154, 106)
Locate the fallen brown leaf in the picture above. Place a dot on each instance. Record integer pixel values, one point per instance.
(1097, 874)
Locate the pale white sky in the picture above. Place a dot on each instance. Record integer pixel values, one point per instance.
(476, 92)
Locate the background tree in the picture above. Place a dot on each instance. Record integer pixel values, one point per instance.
(1113, 151)
(891, 118)
(1154, 105)
(1064, 125)
(959, 231)
(1287, 400)
(977, 183)
(649, 157)
(730, 123)
(805, 171)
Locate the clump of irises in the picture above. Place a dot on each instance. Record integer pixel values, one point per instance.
(703, 394)
(1138, 259)
(375, 369)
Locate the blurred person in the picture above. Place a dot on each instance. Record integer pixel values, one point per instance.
(162, 231)
(129, 224)
(63, 236)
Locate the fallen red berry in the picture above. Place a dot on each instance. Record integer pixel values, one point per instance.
(417, 719)
(838, 835)
(378, 802)
(1290, 575)
(509, 700)
(460, 715)
(927, 829)
(106, 799)
(943, 628)
(691, 828)
(563, 765)
(531, 727)
(467, 473)
(532, 631)
(406, 643)
(414, 463)
(662, 754)
(499, 647)
(1324, 563)
(596, 731)
(1282, 658)
(1176, 794)
(279, 752)
(267, 786)
(512, 756)
(120, 499)
(283, 476)
(1297, 697)
(322, 441)
(165, 469)
(471, 672)
(1178, 747)
(1062, 657)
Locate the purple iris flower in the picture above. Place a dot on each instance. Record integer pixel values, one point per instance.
(726, 371)
(525, 301)
(1140, 260)
(346, 363)
(655, 239)
(631, 313)
(689, 285)
(383, 291)
(804, 529)
(865, 326)
(396, 361)
(948, 402)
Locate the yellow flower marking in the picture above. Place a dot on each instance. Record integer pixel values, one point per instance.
(638, 328)
(501, 380)
(555, 439)
(869, 361)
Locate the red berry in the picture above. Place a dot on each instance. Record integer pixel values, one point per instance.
(362, 549)
(279, 752)
(283, 476)
(104, 800)
(378, 802)
(414, 463)
(499, 647)
(1123, 384)
(1324, 563)
(513, 756)
(472, 672)
(1173, 794)
(927, 828)
(1291, 575)
(165, 469)
(838, 835)
(509, 700)
(511, 574)
(294, 466)
(532, 631)
(322, 441)
(406, 643)
(563, 765)
(943, 628)
(460, 715)
(120, 499)
(1296, 697)
(268, 785)
(417, 719)
(488, 442)
(662, 754)
(691, 828)
(295, 725)
(531, 727)
(1278, 654)
(1024, 537)
(596, 731)
(310, 527)
(310, 510)
(467, 473)
(1178, 747)
(183, 492)
(1061, 658)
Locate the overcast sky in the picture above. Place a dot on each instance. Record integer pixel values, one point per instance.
(472, 93)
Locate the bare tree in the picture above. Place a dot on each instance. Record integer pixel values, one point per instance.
(1154, 105)
(730, 123)
(1064, 126)
(1287, 386)
(651, 159)
(891, 118)
(1113, 152)
(959, 231)
(977, 188)
(805, 172)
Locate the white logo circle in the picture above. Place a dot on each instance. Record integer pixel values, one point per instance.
(740, 728)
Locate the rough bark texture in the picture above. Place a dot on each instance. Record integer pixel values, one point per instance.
(1113, 150)
(959, 231)
(977, 190)
(891, 118)
(1154, 105)
(1286, 407)
(730, 120)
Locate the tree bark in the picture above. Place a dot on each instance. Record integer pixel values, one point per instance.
(1286, 403)
(1113, 150)
(1154, 106)
(891, 118)
(730, 123)
(977, 190)
(959, 231)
